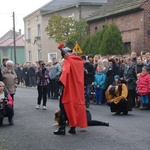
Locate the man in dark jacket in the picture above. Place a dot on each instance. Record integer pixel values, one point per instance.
(88, 79)
(32, 77)
(130, 78)
(134, 58)
(147, 63)
(54, 73)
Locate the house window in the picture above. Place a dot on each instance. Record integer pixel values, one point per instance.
(38, 31)
(39, 54)
(28, 38)
(30, 56)
(37, 18)
(127, 46)
(29, 33)
(148, 32)
(51, 56)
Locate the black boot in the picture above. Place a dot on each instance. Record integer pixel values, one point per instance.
(10, 121)
(137, 105)
(60, 131)
(105, 124)
(87, 105)
(125, 112)
(118, 113)
(1, 122)
(72, 130)
(145, 106)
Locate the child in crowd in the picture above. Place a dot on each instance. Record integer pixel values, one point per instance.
(143, 85)
(6, 104)
(99, 80)
(116, 80)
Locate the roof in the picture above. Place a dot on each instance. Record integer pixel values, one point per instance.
(55, 5)
(114, 7)
(10, 34)
(59, 4)
(9, 42)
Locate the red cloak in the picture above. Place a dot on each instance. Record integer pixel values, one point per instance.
(73, 95)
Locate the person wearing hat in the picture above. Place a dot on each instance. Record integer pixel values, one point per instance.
(5, 59)
(72, 104)
(116, 80)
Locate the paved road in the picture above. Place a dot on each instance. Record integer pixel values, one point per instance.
(33, 129)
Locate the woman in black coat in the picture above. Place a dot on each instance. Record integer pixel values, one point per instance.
(113, 70)
(26, 75)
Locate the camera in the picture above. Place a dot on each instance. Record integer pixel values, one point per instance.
(5, 100)
(43, 65)
(43, 68)
(4, 103)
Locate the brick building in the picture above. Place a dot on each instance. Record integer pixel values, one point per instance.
(131, 16)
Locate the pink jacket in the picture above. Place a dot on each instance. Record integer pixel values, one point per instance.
(10, 100)
(143, 84)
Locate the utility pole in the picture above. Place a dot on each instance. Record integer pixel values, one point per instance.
(14, 34)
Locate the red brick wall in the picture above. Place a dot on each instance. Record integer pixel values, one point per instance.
(146, 7)
(131, 27)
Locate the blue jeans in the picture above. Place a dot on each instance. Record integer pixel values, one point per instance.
(48, 90)
(42, 93)
(87, 93)
(32, 81)
(145, 99)
(99, 95)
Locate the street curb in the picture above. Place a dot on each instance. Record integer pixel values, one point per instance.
(21, 86)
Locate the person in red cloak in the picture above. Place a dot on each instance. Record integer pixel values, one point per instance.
(72, 103)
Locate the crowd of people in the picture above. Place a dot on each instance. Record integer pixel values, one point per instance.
(102, 73)
(113, 80)
(99, 73)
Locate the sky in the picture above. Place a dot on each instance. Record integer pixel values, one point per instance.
(21, 9)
